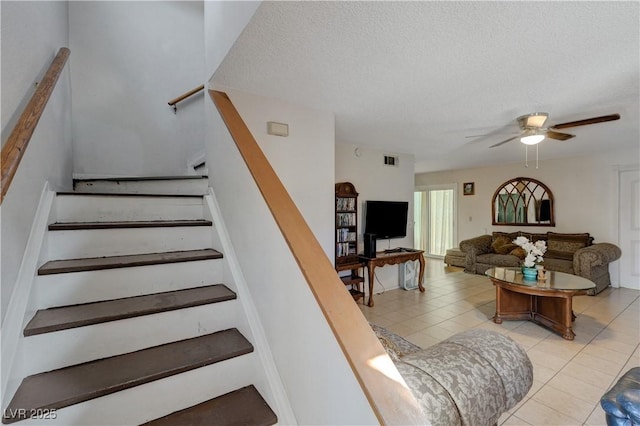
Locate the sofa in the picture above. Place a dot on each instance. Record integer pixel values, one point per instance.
(471, 378)
(571, 253)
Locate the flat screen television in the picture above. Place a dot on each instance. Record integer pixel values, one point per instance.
(386, 219)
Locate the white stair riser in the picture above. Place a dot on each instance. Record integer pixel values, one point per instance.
(45, 352)
(92, 286)
(158, 398)
(75, 244)
(104, 208)
(156, 186)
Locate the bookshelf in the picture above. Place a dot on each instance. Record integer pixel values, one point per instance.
(346, 243)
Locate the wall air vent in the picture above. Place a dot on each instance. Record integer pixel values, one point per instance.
(390, 160)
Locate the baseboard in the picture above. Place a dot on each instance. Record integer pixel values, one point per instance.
(281, 401)
(19, 301)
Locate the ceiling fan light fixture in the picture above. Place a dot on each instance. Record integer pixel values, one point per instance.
(532, 138)
(536, 119)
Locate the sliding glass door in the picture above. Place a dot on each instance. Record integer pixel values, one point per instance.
(435, 213)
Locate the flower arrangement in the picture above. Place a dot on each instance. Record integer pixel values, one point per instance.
(535, 251)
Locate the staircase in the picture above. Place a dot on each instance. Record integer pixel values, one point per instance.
(133, 323)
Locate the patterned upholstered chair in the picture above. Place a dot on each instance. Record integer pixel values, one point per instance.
(471, 378)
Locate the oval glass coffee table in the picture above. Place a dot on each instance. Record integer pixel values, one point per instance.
(547, 303)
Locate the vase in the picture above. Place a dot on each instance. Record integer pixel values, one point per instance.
(530, 274)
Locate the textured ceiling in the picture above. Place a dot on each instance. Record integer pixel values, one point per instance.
(420, 77)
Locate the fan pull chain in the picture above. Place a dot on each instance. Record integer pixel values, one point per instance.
(526, 156)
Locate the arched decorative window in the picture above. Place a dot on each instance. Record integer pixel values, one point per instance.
(523, 201)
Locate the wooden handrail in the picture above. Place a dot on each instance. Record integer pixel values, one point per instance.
(387, 393)
(184, 96)
(19, 138)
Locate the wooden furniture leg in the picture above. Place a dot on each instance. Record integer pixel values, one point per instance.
(371, 269)
(421, 273)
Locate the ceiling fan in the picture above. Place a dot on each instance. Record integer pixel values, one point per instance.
(533, 131)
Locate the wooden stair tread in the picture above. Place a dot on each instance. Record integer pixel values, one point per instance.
(127, 194)
(110, 262)
(142, 178)
(65, 317)
(71, 385)
(68, 226)
(244, 406)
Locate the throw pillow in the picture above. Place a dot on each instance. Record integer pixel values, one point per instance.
(563, 246)
(519, 252)
(510, 236)
(536, 237)
(506, 249)
(500, 241)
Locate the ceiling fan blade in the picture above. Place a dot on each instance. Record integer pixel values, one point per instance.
(584, 122)
(558, 136)
(491, 134)
(504, 141)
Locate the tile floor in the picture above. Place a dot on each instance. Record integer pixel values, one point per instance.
(569, 376)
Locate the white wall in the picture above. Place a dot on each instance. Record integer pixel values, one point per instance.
(375, 181)
(32, 34)
(310, 362)
(304, 160)
(225, 20)
(129, 59)
(584, 188)
(308, 358)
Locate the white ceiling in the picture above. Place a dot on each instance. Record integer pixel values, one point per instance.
(418, 77)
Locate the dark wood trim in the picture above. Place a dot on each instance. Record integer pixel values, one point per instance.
(56, 389)
(141, 178)
(125, 261)
(132, 194)
(243, 406)
(391, 400)
(72, 226)
(67, 317)
(19, 138)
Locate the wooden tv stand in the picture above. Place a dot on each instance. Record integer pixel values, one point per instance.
(392, 257)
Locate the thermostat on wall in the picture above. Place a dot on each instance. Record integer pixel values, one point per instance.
(277, 129)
